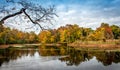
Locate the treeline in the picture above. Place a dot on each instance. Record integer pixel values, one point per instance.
(69, 33)
(14, 36)
(72, 33)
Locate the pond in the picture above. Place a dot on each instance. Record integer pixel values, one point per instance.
(57, 58)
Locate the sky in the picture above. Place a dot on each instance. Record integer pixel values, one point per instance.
(85, 13)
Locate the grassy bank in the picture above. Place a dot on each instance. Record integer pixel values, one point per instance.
(96, 44)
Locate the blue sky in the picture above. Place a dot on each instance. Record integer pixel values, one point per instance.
(85, 13)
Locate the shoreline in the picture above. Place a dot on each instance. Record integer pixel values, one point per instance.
(104, 46)
(26, 45)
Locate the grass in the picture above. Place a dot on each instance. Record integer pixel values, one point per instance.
(109, 44)
(113, 42)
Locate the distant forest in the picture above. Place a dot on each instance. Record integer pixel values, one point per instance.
(69, 33)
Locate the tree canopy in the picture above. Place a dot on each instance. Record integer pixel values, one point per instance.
(72, 33)
(69, 33)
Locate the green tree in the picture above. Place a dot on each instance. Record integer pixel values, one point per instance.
(116, 31)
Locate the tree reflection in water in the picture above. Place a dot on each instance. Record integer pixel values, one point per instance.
(71, 55)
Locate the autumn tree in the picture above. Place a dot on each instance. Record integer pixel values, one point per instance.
(108, 31)
(45, 36)
(62, 32)
(70, 33)
(97, 35)
(102, 33)
(54, 36)
(14, 36)
(85, 33)
(4, 35)
(74, 32)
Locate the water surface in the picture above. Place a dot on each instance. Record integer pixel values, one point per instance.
(57, 58)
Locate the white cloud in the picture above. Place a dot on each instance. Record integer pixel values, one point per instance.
(86, 17)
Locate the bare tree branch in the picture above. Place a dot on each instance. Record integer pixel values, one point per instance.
(32, 20)
(11, 15)
(35, 13)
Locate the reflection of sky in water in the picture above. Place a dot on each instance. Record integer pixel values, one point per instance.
(93, 64)
(38, 62)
